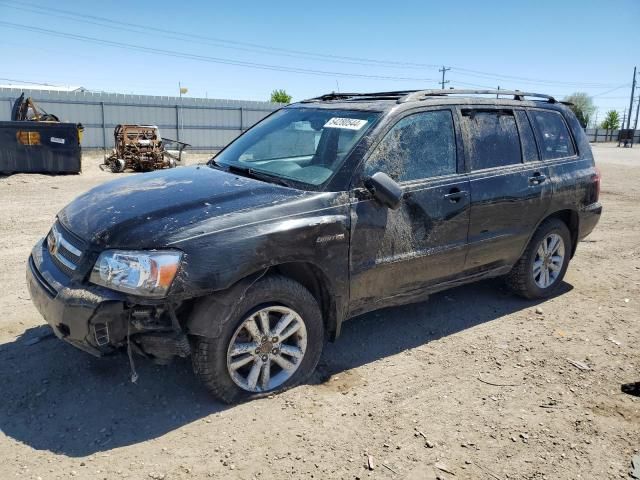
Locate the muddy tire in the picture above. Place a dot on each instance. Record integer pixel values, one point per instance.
(271, 341)
(540, 270)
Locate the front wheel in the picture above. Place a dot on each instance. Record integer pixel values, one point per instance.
(542, 267)
(271, 342)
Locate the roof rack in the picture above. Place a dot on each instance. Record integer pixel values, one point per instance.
(393, 95)
(517, 94)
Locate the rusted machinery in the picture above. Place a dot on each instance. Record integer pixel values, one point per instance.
(25, 109)
(141, 148)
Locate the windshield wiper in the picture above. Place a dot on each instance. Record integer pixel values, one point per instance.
(212, 162)
(258, 175)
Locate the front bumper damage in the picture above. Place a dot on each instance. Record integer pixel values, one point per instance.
(101, 321)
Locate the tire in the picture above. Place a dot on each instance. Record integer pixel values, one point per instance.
(117, 165)
(212, 356)
(523, 281)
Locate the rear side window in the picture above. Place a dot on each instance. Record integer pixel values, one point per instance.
(529, 149)
(555, 141)
(421, 145)
(492, 138)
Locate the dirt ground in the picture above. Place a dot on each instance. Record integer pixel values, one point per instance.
(474, 383)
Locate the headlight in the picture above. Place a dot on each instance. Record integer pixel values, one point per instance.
(146, 273)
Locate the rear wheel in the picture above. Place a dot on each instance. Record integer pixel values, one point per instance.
(544, 263)
(271, 342)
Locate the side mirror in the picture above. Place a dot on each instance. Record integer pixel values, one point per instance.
(384, 189)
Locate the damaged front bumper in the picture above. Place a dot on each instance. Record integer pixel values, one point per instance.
(98, 320)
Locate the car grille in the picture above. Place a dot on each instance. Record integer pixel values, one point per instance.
(66, 251)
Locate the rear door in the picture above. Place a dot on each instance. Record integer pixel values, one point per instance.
(395, 254)
(510, 186)
(572, 176)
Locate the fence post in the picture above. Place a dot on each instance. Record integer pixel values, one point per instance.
(177, 123)
(595, 136)
(241, 120)
(104, 132)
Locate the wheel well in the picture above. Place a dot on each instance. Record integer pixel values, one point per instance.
(571, 220)
(314, 280)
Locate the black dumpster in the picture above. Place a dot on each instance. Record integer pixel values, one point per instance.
(39, 147)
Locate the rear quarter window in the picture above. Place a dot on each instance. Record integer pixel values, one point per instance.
(553, 135)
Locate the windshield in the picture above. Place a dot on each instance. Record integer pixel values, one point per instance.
(302, 144)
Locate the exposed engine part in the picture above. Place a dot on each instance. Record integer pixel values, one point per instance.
(162, 347)
(24, 109)
(141, 148)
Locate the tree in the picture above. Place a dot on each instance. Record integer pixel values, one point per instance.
(280, 96)
(582, 106)
(611, 121)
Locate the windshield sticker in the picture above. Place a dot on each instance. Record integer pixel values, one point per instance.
(347, 123)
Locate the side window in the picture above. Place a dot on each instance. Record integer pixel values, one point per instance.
(555, 141)
(492, 138)
(529, 149)
(421, 145)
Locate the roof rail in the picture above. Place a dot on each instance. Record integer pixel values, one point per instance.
(517, 94)
(393, 95)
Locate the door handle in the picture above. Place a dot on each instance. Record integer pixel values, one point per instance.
(455, 195)
(537, 178)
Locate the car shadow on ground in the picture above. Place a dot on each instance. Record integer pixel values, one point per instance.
(60, 399)
(380, 334)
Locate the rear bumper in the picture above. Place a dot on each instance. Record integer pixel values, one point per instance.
(589, 218)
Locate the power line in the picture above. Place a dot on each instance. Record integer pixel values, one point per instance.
(236, 45)
(204, 58)
(476, 73)
(252, 47)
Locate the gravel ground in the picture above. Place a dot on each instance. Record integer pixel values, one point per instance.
(472, 384)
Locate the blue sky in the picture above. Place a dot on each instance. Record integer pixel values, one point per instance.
(555, 47)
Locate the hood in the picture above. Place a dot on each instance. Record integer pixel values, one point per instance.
(148, 210)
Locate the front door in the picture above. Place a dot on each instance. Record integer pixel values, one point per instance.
(396, 254)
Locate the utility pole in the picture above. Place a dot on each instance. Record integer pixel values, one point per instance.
(635, 123)
(498, 91)
(624, 119)
(443, 70)
(182, 90)
(633, 91)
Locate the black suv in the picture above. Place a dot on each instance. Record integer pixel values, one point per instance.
(326, 209)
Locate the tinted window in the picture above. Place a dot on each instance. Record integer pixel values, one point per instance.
(492, 138)
(529, 149)
(421, 145)
(555, 141)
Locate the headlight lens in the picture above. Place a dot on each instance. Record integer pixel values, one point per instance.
(145, 273)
